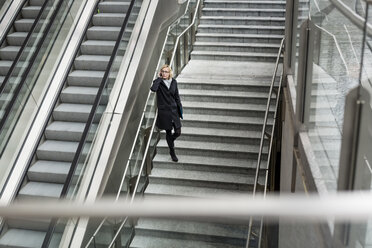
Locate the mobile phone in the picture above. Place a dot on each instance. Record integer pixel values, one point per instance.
(160, 74)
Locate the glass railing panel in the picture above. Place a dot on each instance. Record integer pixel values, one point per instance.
(335, 70)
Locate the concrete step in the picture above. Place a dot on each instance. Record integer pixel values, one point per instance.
(92, 62)
(243, 12)
(217, 121)
(227, 109)
(203, 163)
(241, 29)
(49, 171)
(239, 38)
(256, 84)
(223, 96)
(225, 135)
(243, 20)
(234, 56)
(221, 150)
(244, 4)
(40, 191)
(213, 180)
(162, 190)
(108, 19)
(193, 231)
(140, 241)
(237, 47)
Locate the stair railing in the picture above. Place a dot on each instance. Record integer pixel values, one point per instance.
(270, 136)
(151, 97)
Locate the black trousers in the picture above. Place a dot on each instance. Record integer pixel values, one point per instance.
(172, 137)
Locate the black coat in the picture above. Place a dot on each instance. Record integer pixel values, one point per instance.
(169, 104)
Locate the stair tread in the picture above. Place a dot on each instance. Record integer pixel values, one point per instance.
(207, 146)
(42, 189)
(140, 241)
(236, 54)
(18, 34)
(194, 227)
(231, 106)
(195, 79)
(81, 90)
(187, 191)
(71, 107)
(104, 28)
(235, 44)
(59, 146)
(223, 93)
(87, 73)
(204, 160)
(22, 238)
(229, 26)
(99, 43)
(224, 119)
(66, 126)
(220, 177)
(277, 36)
(55, 167)
(10, 49)
(86, 57)
(245, 9)
(266, 18)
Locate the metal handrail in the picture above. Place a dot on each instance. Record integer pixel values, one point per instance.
(152, 127)
(89, 122)
(184, 31)
(258, 167)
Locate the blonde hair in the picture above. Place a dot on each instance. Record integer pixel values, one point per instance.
(170, 70)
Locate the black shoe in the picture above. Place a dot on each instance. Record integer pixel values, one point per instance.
(173, 155)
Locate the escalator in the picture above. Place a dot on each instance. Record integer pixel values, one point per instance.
(11, 43)
(53, 163)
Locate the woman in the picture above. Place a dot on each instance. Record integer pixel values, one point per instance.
(169, 106)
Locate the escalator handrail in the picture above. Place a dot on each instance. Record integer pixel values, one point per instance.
(89, 122)
(2, 39)
(9, 105)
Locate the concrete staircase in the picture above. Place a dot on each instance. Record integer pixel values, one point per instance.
(54, 155)
(223, 115)
(17, 35)
(240, 30)
(224, 104)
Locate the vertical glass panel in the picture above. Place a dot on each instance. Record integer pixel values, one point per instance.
(335, 70)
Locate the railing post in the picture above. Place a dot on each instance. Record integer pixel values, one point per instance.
(304, 78)
(178, 58)
(185, 48)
